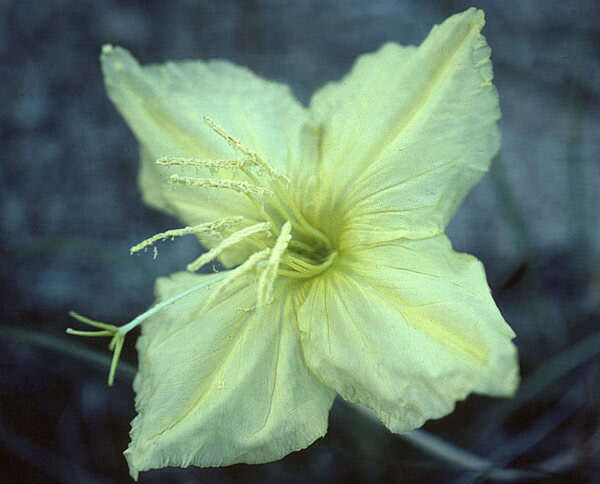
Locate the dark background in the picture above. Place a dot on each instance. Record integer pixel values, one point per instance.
(70, 209)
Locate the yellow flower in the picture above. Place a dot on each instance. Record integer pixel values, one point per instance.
(333, 217)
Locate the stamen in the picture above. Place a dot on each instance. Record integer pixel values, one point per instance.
(220, 164)
(237, 186)
(237, 273)
(210, 228)
(227, 137)
(233, 239)
(303, 270)
(254, 158)
(298, 264)
(268, 276)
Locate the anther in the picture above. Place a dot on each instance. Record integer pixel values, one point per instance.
(238, 273)
(269, 274)
(210, 228)
(235, 185)
(253, 157)
(230, 241)
(219, 164)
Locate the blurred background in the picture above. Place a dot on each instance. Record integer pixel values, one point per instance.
(70, 209)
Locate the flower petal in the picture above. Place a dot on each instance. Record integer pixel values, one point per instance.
(165, 106)
(223, 385)
(408, 132)
(407, 329)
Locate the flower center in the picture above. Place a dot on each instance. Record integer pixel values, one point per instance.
(287, 245)
(308, 254)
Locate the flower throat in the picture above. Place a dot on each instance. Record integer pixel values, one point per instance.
(286, 244)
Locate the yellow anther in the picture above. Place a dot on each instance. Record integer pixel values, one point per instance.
(237, 273)
(253, 157)
(269, 274)
(230, 139)
(230, 241)
(218, 164)
(210, 228)
(235, 185)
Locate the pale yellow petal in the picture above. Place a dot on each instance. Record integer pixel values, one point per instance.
(407, 133)
(223, 385)
(407, 329)
(165, 106)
